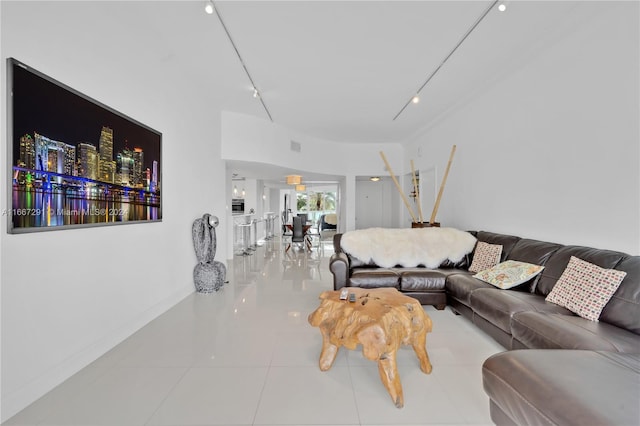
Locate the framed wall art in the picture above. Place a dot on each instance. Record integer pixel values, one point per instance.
(75, 162)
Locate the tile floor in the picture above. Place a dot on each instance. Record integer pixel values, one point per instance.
(247, 356)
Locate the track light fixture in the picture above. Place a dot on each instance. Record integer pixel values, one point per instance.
(256, 94)
(415, 99)
(209, 7)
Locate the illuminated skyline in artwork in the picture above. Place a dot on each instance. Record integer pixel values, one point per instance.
(77, 162)
(60, 114)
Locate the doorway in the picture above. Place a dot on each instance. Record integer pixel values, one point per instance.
(376, 203)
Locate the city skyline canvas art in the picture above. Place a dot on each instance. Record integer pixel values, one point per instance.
(76, 162)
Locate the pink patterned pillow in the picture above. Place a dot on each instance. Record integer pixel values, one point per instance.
(486, 256)
(585, 288)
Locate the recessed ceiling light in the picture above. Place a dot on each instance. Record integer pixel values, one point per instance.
(502, 7)
(374, 178)
(415, 99)
(209, 8)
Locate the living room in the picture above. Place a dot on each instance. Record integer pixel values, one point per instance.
(547, 148)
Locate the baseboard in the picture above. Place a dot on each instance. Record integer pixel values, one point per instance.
(17, 401)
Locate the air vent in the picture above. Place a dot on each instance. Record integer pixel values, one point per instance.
(295, 146)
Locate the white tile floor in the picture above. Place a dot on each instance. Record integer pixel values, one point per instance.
(247, 356)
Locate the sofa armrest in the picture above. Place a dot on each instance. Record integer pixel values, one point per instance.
(339, 267)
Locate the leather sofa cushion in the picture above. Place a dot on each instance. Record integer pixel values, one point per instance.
(374, 278)
(623, 309)
(533, 251)
(461, 264)
(564, 387)
(460, 286)
(554, 331)
(558, 261)
(506, 241)
(420, 279)
(499, 306)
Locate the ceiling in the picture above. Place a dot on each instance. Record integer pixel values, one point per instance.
(342, 70)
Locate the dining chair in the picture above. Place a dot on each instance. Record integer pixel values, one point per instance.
(298, 233)
(286, 232)
(327, 228)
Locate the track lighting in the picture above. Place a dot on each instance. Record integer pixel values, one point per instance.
(209, 7)
(415, 99)
(256, 94)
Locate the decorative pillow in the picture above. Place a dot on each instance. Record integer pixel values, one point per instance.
(585, 288)
(486, 256)
(509, 274)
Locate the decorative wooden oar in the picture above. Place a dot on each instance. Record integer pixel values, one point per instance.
(444, 181)
(415, 190)
(404, 197)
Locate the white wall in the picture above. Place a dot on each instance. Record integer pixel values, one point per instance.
(252, 139)
(69, 296)
(551, 150)
(248, 138)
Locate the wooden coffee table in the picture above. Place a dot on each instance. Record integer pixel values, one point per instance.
(380, 320)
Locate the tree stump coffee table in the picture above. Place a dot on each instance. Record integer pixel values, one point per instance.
(380, 320)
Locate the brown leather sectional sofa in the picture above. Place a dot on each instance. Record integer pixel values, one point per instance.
(426, 285)
(563, 387)
(572, 369)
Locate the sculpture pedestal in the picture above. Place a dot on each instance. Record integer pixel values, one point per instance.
(209, 277)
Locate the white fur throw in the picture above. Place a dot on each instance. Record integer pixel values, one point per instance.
(408, 247)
